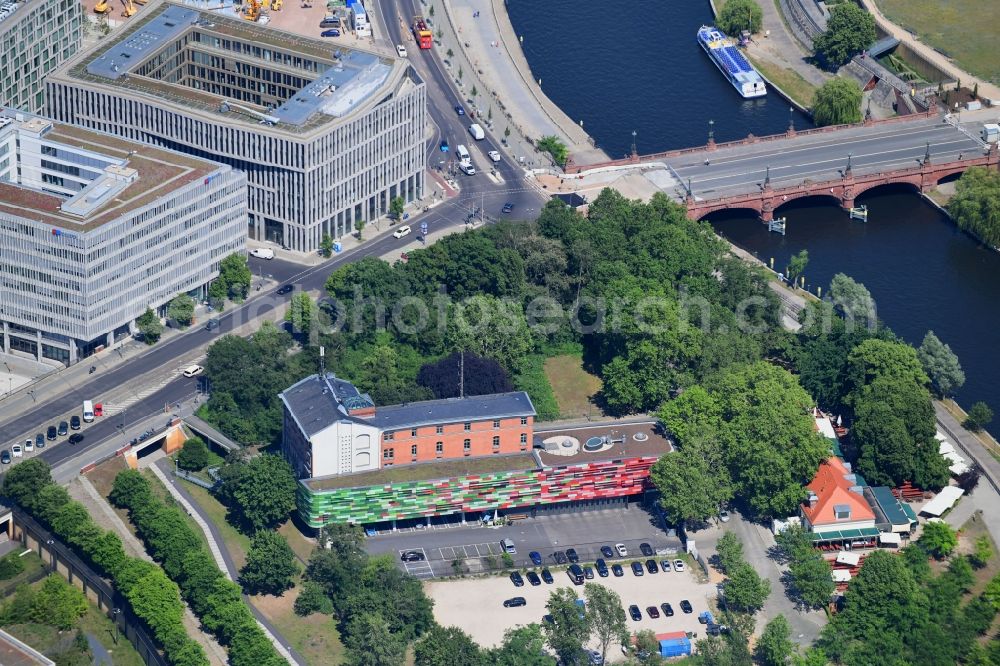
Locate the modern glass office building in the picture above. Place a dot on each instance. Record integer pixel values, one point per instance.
(36, 36)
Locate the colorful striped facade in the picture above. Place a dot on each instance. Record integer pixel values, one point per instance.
(475, 492)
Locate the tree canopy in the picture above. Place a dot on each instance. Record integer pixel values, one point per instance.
(975, 206)
(739, 15)
(181, 310)
(570, 628)
(481, 376)
(849, 31)
(270, 565)
(259, 492)
(149, 326)
(941, 365)
(838, 100)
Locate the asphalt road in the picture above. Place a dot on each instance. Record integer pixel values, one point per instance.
(821, 157)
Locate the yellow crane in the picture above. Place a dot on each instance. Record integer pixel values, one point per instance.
(252, 10)
(102, 7)
(276, 5)
(129, 9)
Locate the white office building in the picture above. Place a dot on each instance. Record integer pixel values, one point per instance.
(94, 229)
(36, 36)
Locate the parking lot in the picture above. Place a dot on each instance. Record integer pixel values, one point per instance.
(476, 605)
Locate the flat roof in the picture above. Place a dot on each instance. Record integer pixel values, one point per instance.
(654, 444)
(429, 471)
(351, 77)
(159, 172)
(13, 652)
(889, 505)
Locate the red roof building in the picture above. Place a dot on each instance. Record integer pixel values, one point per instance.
(835, 501)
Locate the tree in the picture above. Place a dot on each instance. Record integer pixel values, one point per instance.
(193, 455)
(646, 644)
(730, 551)
(301, 313)
(992, 592)
(260, 492)
(218, 292)
(979, 416)
(482, 376)
(371, 643)
(474, 92)
(492, 328)
(326, 245)
(235, 273)
(522, 646)
(451, 54)
(359, 226)
(941, 365)
(938, 539)
(270, 566)
(312, 599)
(24, 480)
(853, 300)
(837, 102)
(58, 604)
(555, 147)
(774, 646)
(974, 207)
(811, 578)
(570, 627)
(982, 552)
(604, 611)
(797, 265)
(745, 590)
(149, 326)
(446, 646)
(396, 206)
(693, 483)
(181, 310)
(739, 15)
(849, 31)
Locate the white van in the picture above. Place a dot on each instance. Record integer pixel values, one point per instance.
(467, 168)
(262, 253)
(477, 132)
(88, 411)
(463, 153)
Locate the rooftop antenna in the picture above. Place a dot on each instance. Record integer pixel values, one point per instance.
(322, 364)
(461, 374)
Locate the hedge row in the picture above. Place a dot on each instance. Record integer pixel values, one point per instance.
(216, 600)
(154, 597)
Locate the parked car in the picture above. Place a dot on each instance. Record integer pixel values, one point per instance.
(16, 451)
(262, 253)
(621, 549)
(40, 441)
(646, 549)
(508, 546)
(572, 556)
(547, 576)
(678, 565)
(607, 552)
(534, 579)
(617, 570)
(515, 578)
(5, 457)
(595, 658)
(332, 32)
(635, 613)
(50, 434)
(653, 612)
(63, 428)
(560, 557)
(637, 568)
(724, 516)
(459, 110)
(686, 607)
(411, 556)
(514, 602)
(536, 557)
(75, 438)
(74, 422)
(668, 610)
(575, 574)
(588, 573)
(651, 566)
(602, 568)
(29, 445)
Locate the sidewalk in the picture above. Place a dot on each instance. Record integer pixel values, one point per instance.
(782, 49)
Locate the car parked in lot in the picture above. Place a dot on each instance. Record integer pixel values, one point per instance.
(514, 602)
(588, 573)
(16, 451)
(572, 556)
(560, 557)
(617, 570)
(651, 566)
(724, 516)
(637, 568)
(332, 32)
(515, 578)
(536, 557)
(411, 556)
(63, 428)
(534, 579)
(74, 422)
(40, 441)
(678, 565)
(634, 613)
(653, 612)
(547, 576)
(621, 549)
(29, 445)
(665, 565)
(646, 549)
(607, 552)
(50, 434)
(602, 568)
(668, 610)
(686, 607)
(575, 574)
(5, 457)
(75, 438)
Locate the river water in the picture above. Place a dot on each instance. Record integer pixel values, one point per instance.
(636, 66)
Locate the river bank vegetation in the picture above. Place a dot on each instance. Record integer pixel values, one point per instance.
(975, 207)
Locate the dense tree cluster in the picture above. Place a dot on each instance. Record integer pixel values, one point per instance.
(941, 365)
(216, 600)
(259, 491)
(849, 31)
(193, 455)
(233, 281)
(475, 374)
(976, 204)
(154, 597)
(810, 573)
(739, 15)
(837, 102)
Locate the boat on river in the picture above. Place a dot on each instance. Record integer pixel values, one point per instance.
(733, 64)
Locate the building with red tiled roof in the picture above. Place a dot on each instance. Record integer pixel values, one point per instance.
(836, 501)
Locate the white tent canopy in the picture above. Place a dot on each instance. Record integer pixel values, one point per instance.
(889, 539)
(945, 447)
(944, 501)
(841, 575)
(849, 558)
(939, 436)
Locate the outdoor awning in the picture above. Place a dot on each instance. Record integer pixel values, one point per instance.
(945, 447)
(959, 468)
(843, 535)
(841, 575)
(889, 539)
(939, 436)
(908, 510)
(849, 558)
(943, 501)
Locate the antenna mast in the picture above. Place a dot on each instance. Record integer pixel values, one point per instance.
(322, 359)
(461, 374)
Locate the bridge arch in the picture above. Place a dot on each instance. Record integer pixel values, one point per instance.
(744, 210)
(802, 197)
(899, 186)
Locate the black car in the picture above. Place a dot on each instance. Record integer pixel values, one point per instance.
(602, 568)
(560, 557)
(515, 578)
(211, 324)
(651, 566)
(572, 556)
(411, 556)
(39, 441)
(668, 610)
(5, 457)
(635, 613)
(653, 612)
(646, 549)
(686, 607)
(50, 434)
(588, 573)
(74, 422)
(607, 552)
(534, 579)
(507, 208)
(514, 602)
(547, 576)
(637, 568)
(617, 570)
(75, 438)
(459, 110)
(284, 289)
(536, 558)
(63, 428)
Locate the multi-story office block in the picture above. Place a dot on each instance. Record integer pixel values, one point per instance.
(36, 36)
(94, 229)
(327, 135)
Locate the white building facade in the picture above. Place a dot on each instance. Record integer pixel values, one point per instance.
(36, 36)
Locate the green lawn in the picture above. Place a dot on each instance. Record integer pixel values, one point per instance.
(237, 542)
(965, 30)
(573, 386)
(790, 81)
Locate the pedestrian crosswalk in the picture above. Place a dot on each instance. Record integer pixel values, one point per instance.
(113, 407)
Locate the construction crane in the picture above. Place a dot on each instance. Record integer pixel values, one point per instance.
(102, 7)
(252, 10)
(129, 9)
(276, 5)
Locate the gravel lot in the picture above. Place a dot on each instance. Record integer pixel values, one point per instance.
(476, 605)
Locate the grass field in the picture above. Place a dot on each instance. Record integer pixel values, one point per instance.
(237, 542)
(573, 386)
(965, 30)
(790, 81)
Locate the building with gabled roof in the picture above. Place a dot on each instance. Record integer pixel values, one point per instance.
(836, 502)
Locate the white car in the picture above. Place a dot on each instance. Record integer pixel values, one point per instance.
(16, 451)
(29, 446)
(494, 155)
(402, 231)
(678, 565)
(400, 50)
(193, 370)
(262, 253)
(621, 549)
(724, 516)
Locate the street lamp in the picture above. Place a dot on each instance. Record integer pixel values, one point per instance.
(791, 119)
(52, 554)
(114, 618)
(711, 131)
